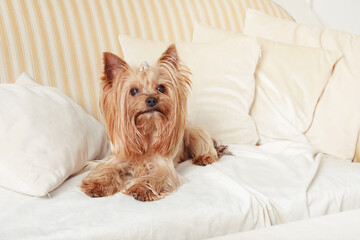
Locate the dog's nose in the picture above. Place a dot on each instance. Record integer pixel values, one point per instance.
(151, 101)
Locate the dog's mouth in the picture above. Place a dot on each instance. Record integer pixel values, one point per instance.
(150, 111)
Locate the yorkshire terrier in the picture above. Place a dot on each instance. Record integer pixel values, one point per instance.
(145, 111)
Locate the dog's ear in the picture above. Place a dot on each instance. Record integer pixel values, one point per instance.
(171, 62)
(170, 56)
(113, 65)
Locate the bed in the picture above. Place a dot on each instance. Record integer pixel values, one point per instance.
(272, 180)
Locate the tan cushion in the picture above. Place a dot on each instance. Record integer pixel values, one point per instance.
(336, 122)
(289, 82)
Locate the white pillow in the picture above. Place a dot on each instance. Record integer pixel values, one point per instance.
(44, 137)
(336, 123)
(223, 83)
(289, 81)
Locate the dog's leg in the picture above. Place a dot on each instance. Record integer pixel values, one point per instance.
(155, 181)
(107, 178)
(200, 147)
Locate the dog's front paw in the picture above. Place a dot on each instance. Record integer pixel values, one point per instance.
(204, 160)
(94, 188)
(142, 193)
(221, 150)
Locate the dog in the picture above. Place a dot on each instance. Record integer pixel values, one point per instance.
(145, 111)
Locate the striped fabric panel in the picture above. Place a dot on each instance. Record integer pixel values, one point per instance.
(60, 42)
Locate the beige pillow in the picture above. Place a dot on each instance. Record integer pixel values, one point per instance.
(289, 82)
(336, 122)
(44, 137)
(223, 83)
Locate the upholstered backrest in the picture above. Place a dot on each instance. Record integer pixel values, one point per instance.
(60, 42)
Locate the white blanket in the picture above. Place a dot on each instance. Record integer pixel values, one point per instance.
(257, 187)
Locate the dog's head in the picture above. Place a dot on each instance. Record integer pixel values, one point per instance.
(145, 107)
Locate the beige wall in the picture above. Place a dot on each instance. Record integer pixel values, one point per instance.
(337, 14)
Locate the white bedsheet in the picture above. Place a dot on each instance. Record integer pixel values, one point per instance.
(258, 187)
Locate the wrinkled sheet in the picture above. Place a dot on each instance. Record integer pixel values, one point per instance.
(256, 187)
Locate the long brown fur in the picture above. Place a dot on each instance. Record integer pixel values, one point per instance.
(148, 142)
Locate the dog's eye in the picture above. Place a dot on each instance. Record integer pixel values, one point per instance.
(160, 88)
(134, 91)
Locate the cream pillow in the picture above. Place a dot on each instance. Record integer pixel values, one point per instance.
(223, 83)
(336, 122)
(44, 137)
(289, 81)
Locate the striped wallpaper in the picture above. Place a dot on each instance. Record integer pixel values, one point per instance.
(60, 42)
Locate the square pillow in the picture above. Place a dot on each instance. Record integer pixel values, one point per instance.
(289, 81)
(222, 82)
(44, 137)
(336, 123)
